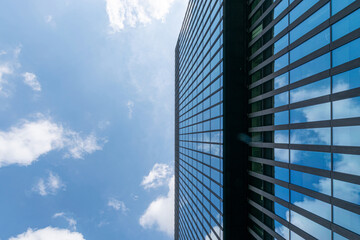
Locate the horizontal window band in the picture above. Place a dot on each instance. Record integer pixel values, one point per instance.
(209, 131)
(308, 147)
(299, 20)
(216, 169)
(327, 73)
(314, 194)
(188, 141)
(207, 120)
(211, 155)
(253, 234)
(266, 228)
(315, 54)
(258, 6)
(315, 171)
(264, 15)
(310, 102)
(307, 125)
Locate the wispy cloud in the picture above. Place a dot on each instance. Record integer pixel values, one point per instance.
(26, 142)
(49, 18)
(49, 233)
(123, 13)
(158, 176)
(130, 104)
(51, 185)
(118, 205)
(71, 221)
(30, 79)
(160, 213)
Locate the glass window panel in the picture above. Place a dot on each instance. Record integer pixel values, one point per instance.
(317, 136)
(346, 53)
(281, 174)
(314, 43)
(347, 80)
(301, 8)
(347, 136)
(282, 80)
(281, 192)
(294, 236)
(311, 22)
(346, 25)
(339, 237)
(312, 205)
(312, 182)
(311, 159)
(281, 211)
(313, 90)
(281, 43)
(347, 191)
(314, 229)
(280, 8)
(281, 136)
(281, 155)
(347, 163)
(281, 99)
(281, 118)
(338, 5)
(313, 113)
(347, 219)
(281, 62)
(281, 25)
(281, 230)
(347, 108)
(322, 63)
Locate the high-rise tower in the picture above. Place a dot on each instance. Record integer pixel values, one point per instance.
(268, 120)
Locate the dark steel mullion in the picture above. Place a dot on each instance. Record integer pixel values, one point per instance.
(258, 6)
(208, 131)
(185, 229)
(254, 234)
(192, 221)
(215, 143)
(264, 14)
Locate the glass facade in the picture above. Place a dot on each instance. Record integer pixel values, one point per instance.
(199, 123)
(303, 61)
(304, 81)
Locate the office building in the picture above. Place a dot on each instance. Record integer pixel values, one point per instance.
(267, 120)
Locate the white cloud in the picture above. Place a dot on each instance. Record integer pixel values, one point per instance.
(5, 69)
(123, 13)
(49, 233)
(118, 205)
(160, 213)
(25, 143)
(30, 79)
(158, 176)
(213, 235)
(130, 104)
(51, 185)
(71, 221)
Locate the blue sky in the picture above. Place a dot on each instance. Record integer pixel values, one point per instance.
(86, 127)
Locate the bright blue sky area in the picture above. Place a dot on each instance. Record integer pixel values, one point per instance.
(86, 105)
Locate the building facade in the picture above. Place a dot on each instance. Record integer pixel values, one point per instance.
(268, 120)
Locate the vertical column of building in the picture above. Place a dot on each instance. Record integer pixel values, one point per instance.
(235, 120)
(305, 119)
